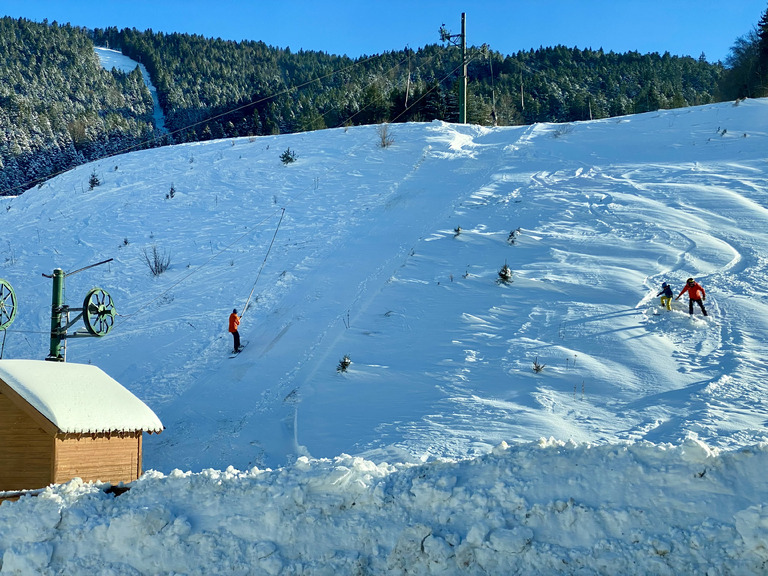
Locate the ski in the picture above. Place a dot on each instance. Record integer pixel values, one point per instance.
(234, 353)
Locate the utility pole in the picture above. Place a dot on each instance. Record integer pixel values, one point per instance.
(463, 84)
(408, 82)
(461, 41)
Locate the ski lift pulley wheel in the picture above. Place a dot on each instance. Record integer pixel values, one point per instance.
(98, 312)
(7, 304)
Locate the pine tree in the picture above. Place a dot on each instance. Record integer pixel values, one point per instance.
(762, 53)
(743, 78)
(93, 181)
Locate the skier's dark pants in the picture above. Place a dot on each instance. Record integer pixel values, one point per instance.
(236, 336)
(700, 303)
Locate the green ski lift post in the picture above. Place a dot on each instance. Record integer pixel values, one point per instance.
(98, 314)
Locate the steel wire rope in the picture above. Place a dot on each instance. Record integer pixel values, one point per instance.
(427, 93)
(198, 269)
(285, 91)
(447, 75)
(288, 89)
(14, 331)
(304, 191)
(295, 198)
(291, 199)
(327, 169)
(237, 240)
(155, 138)
(128, 317)
(245, 308)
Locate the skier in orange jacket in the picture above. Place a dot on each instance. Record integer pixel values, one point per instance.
(234, 323)
(695, 294)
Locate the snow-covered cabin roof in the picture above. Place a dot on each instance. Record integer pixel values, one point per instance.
(77, 398)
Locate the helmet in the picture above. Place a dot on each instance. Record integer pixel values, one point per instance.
(691, 281)
(663, 284)
(234, 311)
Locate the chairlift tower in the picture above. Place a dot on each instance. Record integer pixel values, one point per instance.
(98, 314)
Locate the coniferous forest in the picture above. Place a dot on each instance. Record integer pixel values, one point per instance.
(60, 108)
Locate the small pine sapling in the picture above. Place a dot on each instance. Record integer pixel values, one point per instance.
(505, 274)
(288, 156)
(344, 364)
(93, 181)
(538, 367)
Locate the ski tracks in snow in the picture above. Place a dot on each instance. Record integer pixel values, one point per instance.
(713, 229)
(610, 215)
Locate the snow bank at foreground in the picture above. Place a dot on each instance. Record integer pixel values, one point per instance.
(540, 508)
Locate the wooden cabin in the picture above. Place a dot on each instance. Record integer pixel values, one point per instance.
(60, 421)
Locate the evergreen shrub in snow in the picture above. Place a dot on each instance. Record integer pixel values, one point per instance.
(344, 364)
(93, 181)
(288, 156)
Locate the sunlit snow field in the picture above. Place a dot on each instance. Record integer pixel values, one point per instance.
(636, 449)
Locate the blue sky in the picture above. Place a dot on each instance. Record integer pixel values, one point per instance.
(682, 27)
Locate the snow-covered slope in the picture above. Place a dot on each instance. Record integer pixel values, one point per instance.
(391, 256)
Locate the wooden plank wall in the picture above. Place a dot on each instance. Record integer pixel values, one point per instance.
(26, 451)
(108, 458)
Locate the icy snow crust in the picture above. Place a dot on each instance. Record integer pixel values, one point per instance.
(658, 459)
(78, 398)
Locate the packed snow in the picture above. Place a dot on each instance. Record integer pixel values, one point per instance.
(637, 446)
(78, 398)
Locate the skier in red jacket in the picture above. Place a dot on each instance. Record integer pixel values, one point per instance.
(234, 323)
(695, 294)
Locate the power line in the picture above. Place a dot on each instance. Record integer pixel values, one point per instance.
(238, 239)
(148, 143)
